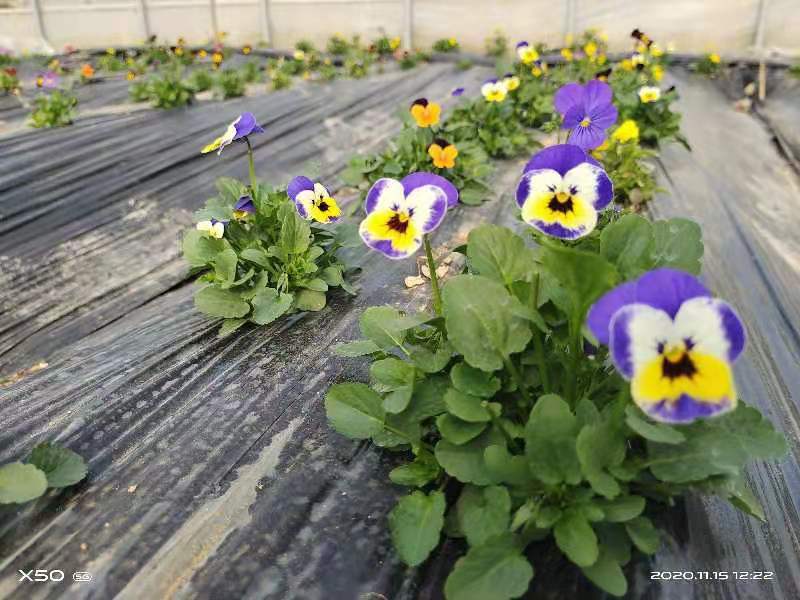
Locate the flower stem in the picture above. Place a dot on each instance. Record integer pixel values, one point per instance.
(575, 351)
(538, 343)
(252, 167)
(437, 296)
(517, 377)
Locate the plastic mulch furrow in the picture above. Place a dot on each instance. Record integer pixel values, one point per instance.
(782, 112)
(92, 214)
(213, 471)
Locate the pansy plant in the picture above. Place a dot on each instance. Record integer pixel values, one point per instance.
(587, 111)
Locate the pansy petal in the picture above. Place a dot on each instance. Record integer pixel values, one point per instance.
(560, 158)
(666, 289)
(245, 204)
(567, 96)
(686, 408)
(635, 332)
(426, 206)
(385, 193)
(246, 125)
(713, 327)
(597, 93)
(320, 191)
(573, 117)
(304, 201)
(590, 183)
(419, 179)
(603, 116)
(297, 185)
(587, 137)
(536, 183)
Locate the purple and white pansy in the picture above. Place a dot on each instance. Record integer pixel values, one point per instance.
(244, 126)
(587, 111)
(313, 201)
(400, 213)
(674, 342)
(562, 191)
(244, 206)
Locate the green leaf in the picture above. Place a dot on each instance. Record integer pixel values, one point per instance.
(550, 437)
(354, 410)
(500, 254)
(607, 575)
(318, 285)
(199, 249)
(584, 274)
(255, 255)
(655, 432)
(599, 446)
(483, 321)
(622, 508)
(398, 400)
(643, 534)
(465, 462)
(495, 570)
(384, 325)
(21, 483)
(357, 348)
(332, 276)
(474, 381)
(295, 231)
(576, 538)
(629, 243)
(466, 407)
(217, 302)
(422, 471)
(719, 446)
(391, 374)
(483, 512)
(428, 397)
(62, 466)
(416, 524)
(268, 305)
(225, 266)
(456, 431)
(678, 244)
(507, 468)
(309, 300)
(430, 361)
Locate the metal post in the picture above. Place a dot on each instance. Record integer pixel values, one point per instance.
(408, 19)
(37, 14)
(569, 17)
(214, 23)
(758, 42)
(266, 22)
(145, 19)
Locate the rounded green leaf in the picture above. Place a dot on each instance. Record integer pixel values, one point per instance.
(216, 302)
(495, 570)
(607, 575)
(61, 466)
(21, 483)
(466, 407)
(309, 300)
(576, 538)
(268, 305)
(416, 525)
(355, 410)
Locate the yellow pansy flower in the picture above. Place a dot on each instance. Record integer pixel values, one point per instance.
(626, 132)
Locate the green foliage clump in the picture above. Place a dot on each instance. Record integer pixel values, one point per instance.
(48, 466)
(199, 80)
(166, 88)
(339, 45)
(492, 125)
(268, 263)
(251, 71)
(446, 45)
(56, 109)
(514, 434)
(9, 82)
(229, 83)
(497, 44)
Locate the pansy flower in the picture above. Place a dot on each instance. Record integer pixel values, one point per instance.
(214, 228)
(247, 49)
(562, 190)
(242, 127)
(567, 55)
(48, 80)
(626, 132)
(587, 111)
(603, 75)
(457, 91)
(494, 91)
(511, 81)
(244, 206)
(313, 200)
(443, 154)
(674, 342)
(87, 71)
(399, 213)
(527, 53)
(425, 113)
(649, 94)
(539, 68)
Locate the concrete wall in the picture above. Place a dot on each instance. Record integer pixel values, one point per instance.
(726, 26)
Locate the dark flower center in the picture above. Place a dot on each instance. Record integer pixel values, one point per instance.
(561, 202)
(682, 367)
(398, 222)
(323, 206)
